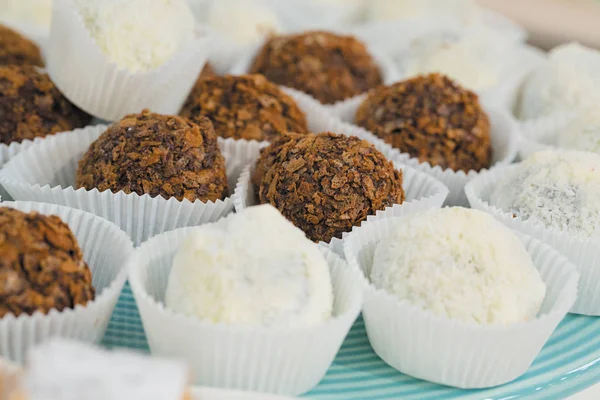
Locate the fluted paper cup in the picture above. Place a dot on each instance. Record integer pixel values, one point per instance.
(103, 89)
(8, 151)
(106, 250)
(504, 139)
(279, 360)
(46, 173)
(423, 192)
(421, 344)
(584, 253)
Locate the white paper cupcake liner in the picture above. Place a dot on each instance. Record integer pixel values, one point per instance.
(106, 250)
(100, 87)
(279, 360)
(450, 352)
(504, 138)
(8, 151)
(423, 192)
(46, 173)
(583, 252)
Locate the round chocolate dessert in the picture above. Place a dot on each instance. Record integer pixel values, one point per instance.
(270, 155)
(31, 106)
(41, 265)
(328, 67)
(432, 118)
(155, 154)
(16, 49)
(327, 183)
(244, 107)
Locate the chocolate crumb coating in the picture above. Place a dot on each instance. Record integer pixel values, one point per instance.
(31, 106)
(431, 118)
(207, 72)
(245, 107)
(327, 183)
(329, 67)
(15, 49)
(41, 265)
(155, 154)
(271, 154)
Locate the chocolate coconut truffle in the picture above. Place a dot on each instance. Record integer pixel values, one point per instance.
(155, 154)
(16, 49)
(327, 183)
(244, 107)
(41, 265)
(431, 118)
(31, 106)
(328, 67)
(270, 155)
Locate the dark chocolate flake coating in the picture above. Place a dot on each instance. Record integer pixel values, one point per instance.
(244, 107)
(329, 67)
(327, 183)
(41, 265)
(431, 118)
(155, 154)
(15, 49)
(31, 106)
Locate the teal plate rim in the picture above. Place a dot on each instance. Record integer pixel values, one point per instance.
(568, 363)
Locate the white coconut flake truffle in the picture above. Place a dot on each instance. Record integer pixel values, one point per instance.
(560, 189)
(454, 262)
(138, 35)
(243, 21)
(568, 80)
(65, 370)
(583, 132)
(251, 268)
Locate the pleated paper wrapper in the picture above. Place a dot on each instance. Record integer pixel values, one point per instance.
(280, 360)
(504, 136)
(103, 89)
(583, 252)
(8, 151)
(421, 344)
(106, 249)
(46, 173)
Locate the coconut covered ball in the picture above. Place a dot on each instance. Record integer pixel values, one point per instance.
(568, 80)
(15, 49)
(431, 118)
(560, 189)
(452, 262)
(329, 67)
(31, 106)
(245, 107)
(251, 268)
(158, 155)
(41, 265)
(327, 183)
(583, 132)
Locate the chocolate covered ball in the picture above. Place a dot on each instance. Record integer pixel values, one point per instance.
(15, 49)
(41, 265)
(432, 118)
(329, 67)
(269, 155)
(31, 106)
(327, 183)
(155, 154)
(244, 107)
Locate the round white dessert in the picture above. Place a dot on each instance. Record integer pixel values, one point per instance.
(462, 264)
(583, 133)
(251, 268)
(560, 189)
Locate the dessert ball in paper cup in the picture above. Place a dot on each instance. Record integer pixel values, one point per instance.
(476, 324)
(238, 337)
(9, 151)
(33, 316)
(309, 62)
(47, 173)
(117, 66)
(419, 192)
(551, 196)
(491, 141)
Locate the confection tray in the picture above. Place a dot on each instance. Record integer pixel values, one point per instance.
(569, 363)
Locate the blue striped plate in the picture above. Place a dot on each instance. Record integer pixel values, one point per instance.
(569, 363)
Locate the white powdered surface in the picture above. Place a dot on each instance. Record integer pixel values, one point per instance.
(462, 264)
(583, 133)
(251, 268)
(560, 189)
